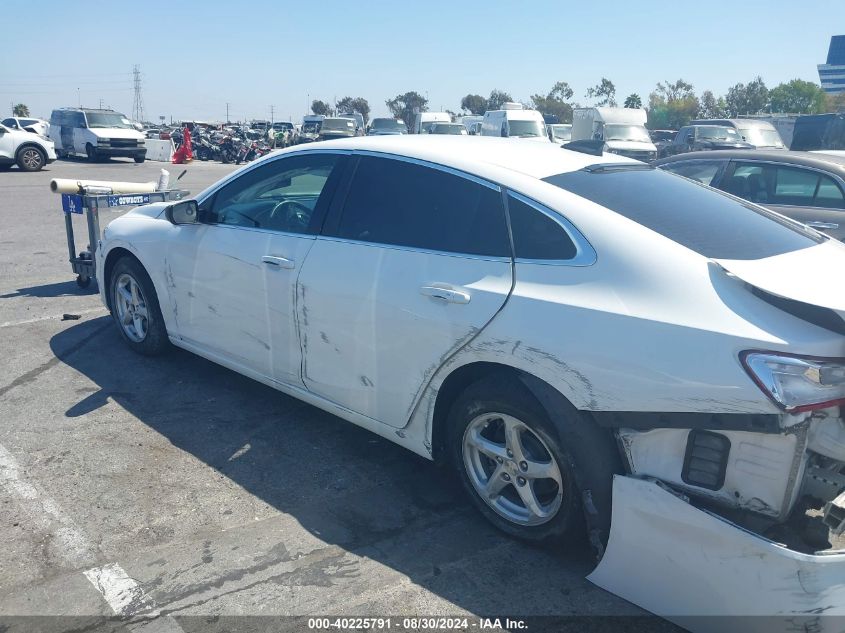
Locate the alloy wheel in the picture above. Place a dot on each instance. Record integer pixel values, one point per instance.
(512, 469)
(131, 307)
(31, 159)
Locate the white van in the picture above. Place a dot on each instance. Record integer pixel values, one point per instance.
(514, 121)
(622, 129)
(95, 134)
(422, 120)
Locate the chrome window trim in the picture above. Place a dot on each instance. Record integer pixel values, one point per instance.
(260, 163)
(413, 249)
(424, 163)
(585, 254)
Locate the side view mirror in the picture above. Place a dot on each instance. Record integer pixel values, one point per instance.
(184, 212)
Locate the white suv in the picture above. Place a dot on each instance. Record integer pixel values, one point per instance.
(582, 337)
(28, 150)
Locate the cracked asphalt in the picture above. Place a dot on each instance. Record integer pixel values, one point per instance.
(178, 492)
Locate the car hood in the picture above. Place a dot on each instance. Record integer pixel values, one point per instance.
(152, 210)
(808, 275)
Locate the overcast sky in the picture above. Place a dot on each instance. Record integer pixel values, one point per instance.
(197, 56)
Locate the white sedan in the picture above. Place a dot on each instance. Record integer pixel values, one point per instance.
(581, 336)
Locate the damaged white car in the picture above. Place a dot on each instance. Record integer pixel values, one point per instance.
(593, 343)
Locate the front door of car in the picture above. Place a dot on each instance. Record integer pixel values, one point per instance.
(412, 266)
(801, 193)
(233, 283)
(7, 143)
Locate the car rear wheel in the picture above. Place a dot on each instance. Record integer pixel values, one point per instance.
(139, 159)
(512, 464)
(31, 158)
(135, 308)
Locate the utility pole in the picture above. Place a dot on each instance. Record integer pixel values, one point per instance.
(138, 101)
(79, 97)
(227, 112)
(272, 111)
(101, 103)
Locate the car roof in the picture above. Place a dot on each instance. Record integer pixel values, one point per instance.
(472, 154)
(827, 162)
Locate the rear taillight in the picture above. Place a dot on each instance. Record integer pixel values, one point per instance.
(797, 383)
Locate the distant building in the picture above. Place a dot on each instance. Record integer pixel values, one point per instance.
(832, 74)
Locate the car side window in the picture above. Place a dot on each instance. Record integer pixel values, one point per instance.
(281, 195)
(77, 119)
(704, 171)
(400, 203)
(536, 235)
(9, 123)
(788, 186)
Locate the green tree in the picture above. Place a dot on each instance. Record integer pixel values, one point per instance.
(20, 109)
(710, 107)
(474, 104)
(355, 104)
(404, 106)
(835, 103)
(672, 105)
(747, 99)
(556, 102)
(633, 101)
(321, 107)
(497, 99)
(604, 93)
(799, 96)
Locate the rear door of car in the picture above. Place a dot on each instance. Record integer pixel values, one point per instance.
(410, 267)
(800, 192)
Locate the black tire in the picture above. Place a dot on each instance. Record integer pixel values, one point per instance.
(30, 158)
(585, 456)
(139, 158)
(155, 341)
(91, 153)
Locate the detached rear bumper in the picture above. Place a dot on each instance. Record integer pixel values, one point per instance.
(706, 573)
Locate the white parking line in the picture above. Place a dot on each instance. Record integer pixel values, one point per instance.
(127, 599)
(45, 513)
(52, 317)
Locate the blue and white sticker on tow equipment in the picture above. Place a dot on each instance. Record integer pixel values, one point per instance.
(127, 199)
(72, 203)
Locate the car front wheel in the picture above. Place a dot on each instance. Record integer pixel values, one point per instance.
(135, 308)
(31, 159)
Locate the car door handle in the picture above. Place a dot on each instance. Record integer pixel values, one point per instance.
(817, 224)
(281, 262)
(446, 294)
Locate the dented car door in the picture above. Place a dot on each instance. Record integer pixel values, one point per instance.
(417, 263)
(237, 289)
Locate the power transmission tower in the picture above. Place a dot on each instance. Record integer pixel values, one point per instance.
(138, 105)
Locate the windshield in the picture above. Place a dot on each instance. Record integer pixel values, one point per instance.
(562, 132)
(617, 132)
(388, 124)
(719, 133)
(108, 119)
(702, 219)
(525, 129)
(283, 126)
(447, 128)
(761, 137)
(338, 124)
(310, 127)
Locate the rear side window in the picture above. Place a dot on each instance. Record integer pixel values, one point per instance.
(536, 235)
(703, 220)
(792, 186)
(704, 171)
(406, 204)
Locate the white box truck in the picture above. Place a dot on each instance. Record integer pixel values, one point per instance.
(622, 129)
(514, 121)
(422, 120)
